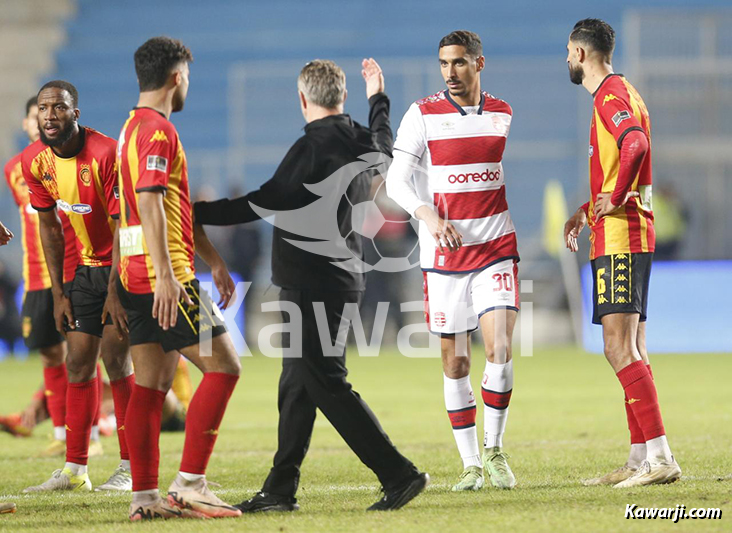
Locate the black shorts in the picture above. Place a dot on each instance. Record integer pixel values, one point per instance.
(620, 285)
(193, 320)
(88, 292)
(39, 327)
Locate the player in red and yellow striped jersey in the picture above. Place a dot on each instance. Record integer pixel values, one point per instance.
(623, 241)
(72, 169)
(168, 312)
(39, 332)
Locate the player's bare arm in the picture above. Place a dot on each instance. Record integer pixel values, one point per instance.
(373, 77)
(444, 233)
(112, 305)
(5, 235)
(219, 272)
(168, 290)
(52, 238)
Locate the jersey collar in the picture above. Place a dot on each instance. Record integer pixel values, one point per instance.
(459, 107)
(604, 80)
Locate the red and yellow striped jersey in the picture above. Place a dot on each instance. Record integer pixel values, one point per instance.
(83, 188)
(35, 272)
(150, 157)
(619, 109)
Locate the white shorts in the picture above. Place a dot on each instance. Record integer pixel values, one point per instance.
(454, 303)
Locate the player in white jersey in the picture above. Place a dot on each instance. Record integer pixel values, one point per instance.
(447, 173)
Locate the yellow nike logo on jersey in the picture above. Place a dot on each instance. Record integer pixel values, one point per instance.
(159, 135)
(66, 427)
(48, 392)
(212, 432)
(632, 401)
(608, 97)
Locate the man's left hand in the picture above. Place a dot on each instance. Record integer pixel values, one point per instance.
(224, 284)
(373, 77)
(604, 207)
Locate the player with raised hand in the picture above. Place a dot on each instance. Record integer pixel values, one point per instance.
(71, 169)
(168, 312)
(622, 243)
(447, 173)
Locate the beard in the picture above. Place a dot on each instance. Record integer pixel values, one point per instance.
(179, 102)
(64, 135)
(576, 74)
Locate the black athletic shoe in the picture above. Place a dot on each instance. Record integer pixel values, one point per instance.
(264, 502)
(402, 494)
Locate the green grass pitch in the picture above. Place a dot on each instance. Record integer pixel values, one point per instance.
(566, 423)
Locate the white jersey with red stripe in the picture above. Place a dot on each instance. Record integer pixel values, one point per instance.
(454, 165)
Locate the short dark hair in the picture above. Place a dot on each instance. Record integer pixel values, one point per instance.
(465, 38)
(156, 59)
(596, 33)
(32, 101)
(64, 85)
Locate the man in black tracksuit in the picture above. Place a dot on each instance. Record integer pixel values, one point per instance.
(329, 150)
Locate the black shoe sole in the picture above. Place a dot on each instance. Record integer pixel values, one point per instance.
(272, 508)
(417, 485)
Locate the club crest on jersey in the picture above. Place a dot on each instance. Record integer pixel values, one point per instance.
(620, 116)
(156, 162)
(592, 150)
(159, 136)
(85, 175)
(115, 190)
(607, 98)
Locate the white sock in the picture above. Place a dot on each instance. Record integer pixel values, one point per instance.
(95, 433)
(460, 404)
(191, 477)
(657, 450)
(146, 496)
(76, 469)
(59, 433)
(637, 455)
(496, 389)
(125, 463)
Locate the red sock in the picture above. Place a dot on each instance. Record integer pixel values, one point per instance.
(100, 387)
(121, 392)
(203, 419)
(643, 399)
(636, 435)
(55, 380)
(81, 404)
(142, 432)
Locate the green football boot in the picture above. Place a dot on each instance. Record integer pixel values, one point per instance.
(495, 463)
(470, 479)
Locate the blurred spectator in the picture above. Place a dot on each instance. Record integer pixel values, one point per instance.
(10, 331)
(670, 220)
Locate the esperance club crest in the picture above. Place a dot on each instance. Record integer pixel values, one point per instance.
(85, 175)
